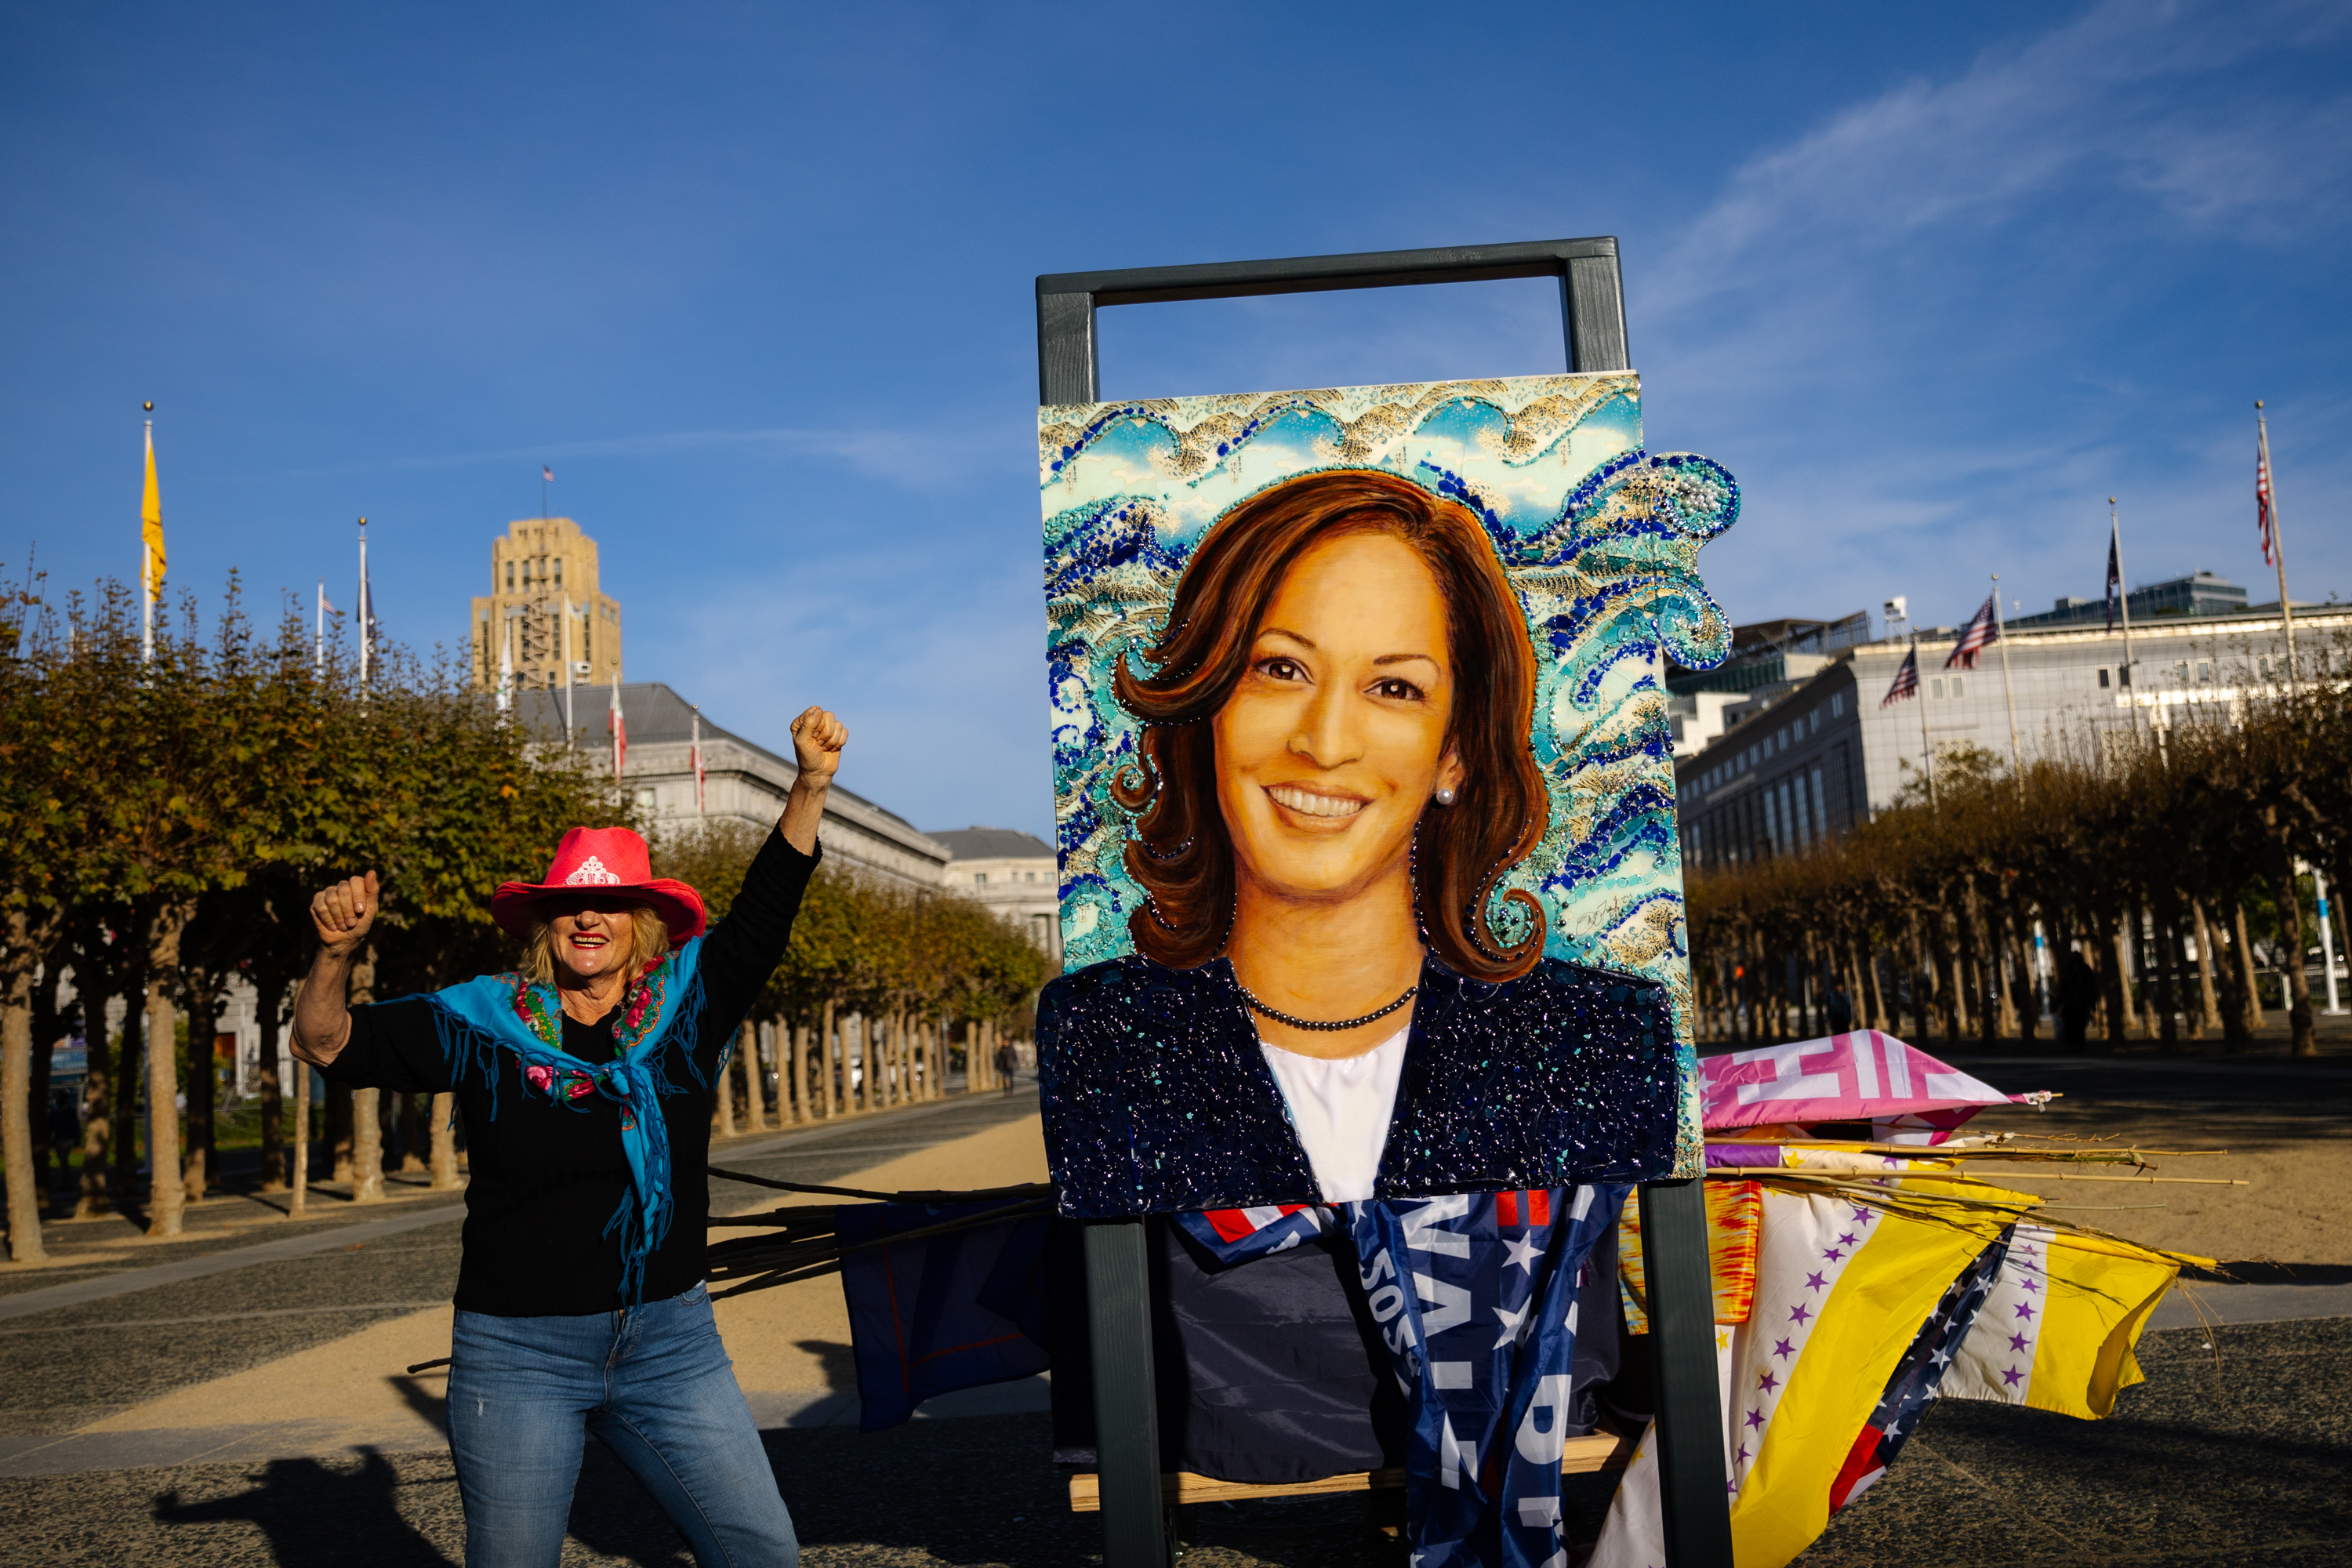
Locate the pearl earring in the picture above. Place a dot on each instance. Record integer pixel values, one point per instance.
(1445, 795)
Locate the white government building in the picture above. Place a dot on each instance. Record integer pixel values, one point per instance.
(1815, 750)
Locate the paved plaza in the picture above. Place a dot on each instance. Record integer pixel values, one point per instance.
(238, 1396)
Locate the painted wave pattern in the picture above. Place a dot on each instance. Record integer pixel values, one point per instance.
(1599, 538)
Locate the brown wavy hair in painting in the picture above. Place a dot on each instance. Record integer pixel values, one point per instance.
(1181, 852)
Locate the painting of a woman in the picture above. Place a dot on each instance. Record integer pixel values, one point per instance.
(1329, 999)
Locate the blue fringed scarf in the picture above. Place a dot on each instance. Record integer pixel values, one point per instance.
(485, 1017)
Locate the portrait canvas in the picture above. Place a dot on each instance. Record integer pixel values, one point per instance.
(1551, 1041)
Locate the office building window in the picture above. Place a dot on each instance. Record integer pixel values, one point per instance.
(1804, 817)
(510, 576)
(558, 571)
(645, 800)
(1837, 704)
(1813, 722)
(2103, 680)
(1956, 686)
(1772, 819)
(1935, 686)
(1820, 807)
(2180, 672)
(979, 879)
(2204, 671)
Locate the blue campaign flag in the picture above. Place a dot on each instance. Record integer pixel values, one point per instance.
(936, 1313)
(1477, 1296)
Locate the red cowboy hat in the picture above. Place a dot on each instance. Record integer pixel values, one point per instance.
(609, 861)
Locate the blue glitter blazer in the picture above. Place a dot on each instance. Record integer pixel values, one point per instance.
(1158, 1099)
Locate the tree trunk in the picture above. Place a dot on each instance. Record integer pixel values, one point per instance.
(15, 1092)
(167, 1190)
(301, 1162)
(2253, 977)
(2231, 981)
(367, 1111)
(268, 987)
(801, 1110)
(412, 1137)
(2120, 1022)
(443, 1134)
(338, 1130)
(755, 1111)
(722, 1102)
(2289, 906)
(94, 1199)
(2209, 1010)
(825, 1056)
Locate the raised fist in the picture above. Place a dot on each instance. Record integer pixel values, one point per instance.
(817, 740)
(343, 911)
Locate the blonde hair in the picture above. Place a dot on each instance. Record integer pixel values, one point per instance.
(648, 945)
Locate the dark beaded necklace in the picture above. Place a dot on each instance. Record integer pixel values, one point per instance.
(1281, 1017)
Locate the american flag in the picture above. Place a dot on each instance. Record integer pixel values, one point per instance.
(2264, 518)
(546, 474)
(1982, 631)
(620, 727)
(1906, 681)
(1235, 1236)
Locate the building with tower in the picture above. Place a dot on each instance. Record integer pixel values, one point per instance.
(545, 609)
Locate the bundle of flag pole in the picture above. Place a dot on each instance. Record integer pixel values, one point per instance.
(1861, 1272)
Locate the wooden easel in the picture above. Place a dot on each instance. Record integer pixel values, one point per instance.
(1133, 1493)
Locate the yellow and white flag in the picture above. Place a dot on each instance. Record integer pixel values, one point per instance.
(151, 518)
(1842, 1290)
(2057, 1330)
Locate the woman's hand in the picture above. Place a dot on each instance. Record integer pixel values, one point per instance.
(343, 912)
(818, 738)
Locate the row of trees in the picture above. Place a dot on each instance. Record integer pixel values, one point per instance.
(2129, 854)
(165, 818)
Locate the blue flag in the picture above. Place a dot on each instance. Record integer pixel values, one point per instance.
(940, 1312)
(1477, 1299)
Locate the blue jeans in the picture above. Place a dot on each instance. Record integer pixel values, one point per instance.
(655, 1384)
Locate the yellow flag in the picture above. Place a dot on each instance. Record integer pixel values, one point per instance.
(151, 517)
(2058, 1328)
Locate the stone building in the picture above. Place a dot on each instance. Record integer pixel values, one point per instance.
(742, 781)
(1012, 872)
(1807, 758)
(544, 608)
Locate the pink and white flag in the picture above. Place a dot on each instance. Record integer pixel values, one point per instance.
(1860, 1076)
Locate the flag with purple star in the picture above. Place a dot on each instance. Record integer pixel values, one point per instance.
(2060, 1321)
(1841, 1291)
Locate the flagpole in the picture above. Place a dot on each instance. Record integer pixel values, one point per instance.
(367, 612)
(322, 658)
(147, 556)
(2278, 539)
(2123, 601)
(2016, 763)
(1926, 747)
(563, 647)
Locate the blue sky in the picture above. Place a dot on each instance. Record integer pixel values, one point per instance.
(756, 281)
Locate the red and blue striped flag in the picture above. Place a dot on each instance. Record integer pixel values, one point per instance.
(1906, 681)
(1983, 630)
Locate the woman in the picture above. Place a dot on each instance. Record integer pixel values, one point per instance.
(1335, 777)
(586, 1081)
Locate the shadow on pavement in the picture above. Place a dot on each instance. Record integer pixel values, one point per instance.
(312, 1513)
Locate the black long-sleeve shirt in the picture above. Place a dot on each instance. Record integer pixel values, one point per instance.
(547, 1178)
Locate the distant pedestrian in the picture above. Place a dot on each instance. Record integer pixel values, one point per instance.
(587, 1082)
(2078, 993)
(1841, 1009)
(1008, 1062)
